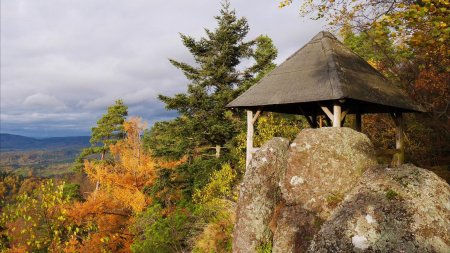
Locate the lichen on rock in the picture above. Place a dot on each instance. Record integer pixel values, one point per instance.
(404, 209)
(259, 194)
(325, 193)
(323, 165)
(295, 229)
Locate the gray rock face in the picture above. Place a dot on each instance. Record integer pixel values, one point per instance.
(323, 164)
(259, 194)
(405, 209)
(325, 193)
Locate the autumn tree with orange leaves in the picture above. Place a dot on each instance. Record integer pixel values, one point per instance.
(101, 223)
(110, 210)
(131, 171)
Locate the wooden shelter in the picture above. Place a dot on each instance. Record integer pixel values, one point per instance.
(325, 78)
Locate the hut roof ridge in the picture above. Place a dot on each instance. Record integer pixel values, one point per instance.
(324, 69)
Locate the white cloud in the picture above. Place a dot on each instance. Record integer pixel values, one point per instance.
(77, 57)
(27, 118)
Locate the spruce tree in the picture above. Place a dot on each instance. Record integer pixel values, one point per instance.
(218, 77)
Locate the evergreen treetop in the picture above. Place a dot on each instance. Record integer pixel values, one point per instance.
(218, 76)
(109, 127)
(108, 131)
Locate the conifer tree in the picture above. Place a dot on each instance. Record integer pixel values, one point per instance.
(218, 77)
(108, 131)
(109, 127)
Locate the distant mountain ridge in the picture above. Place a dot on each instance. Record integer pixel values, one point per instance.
(12, 142)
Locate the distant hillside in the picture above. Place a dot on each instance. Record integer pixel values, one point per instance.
(11, 142)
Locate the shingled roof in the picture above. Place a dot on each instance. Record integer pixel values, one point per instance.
(325, 70)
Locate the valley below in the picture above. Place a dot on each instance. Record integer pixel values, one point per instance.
(47, 157)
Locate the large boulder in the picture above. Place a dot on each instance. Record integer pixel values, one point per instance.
(295, 228)
(259, 195)
(404, 209)
(326, 193)
(323, 164)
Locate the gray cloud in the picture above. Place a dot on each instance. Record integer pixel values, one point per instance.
(64, 61)
(45, 102)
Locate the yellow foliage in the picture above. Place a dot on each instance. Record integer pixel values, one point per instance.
(218, 187)
(132, 169)
(267, 126)
(275, 125)
(216, 235)
(284, 3)
(37, 220)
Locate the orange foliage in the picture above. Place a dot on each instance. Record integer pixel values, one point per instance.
(106, 221)
(108, 212)
(102, 222)
(18, 249)
(132, 170)
(432, 88)
(168, 164)
(381, 130)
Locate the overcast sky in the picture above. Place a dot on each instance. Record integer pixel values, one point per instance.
(63, 62)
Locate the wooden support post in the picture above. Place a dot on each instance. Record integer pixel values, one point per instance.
(320, 121)
(258, 112)
(250, 130)
(337, 114)
(326, 111)
(358, 122)
(399, 157)
(217, 151)
(400, 141)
